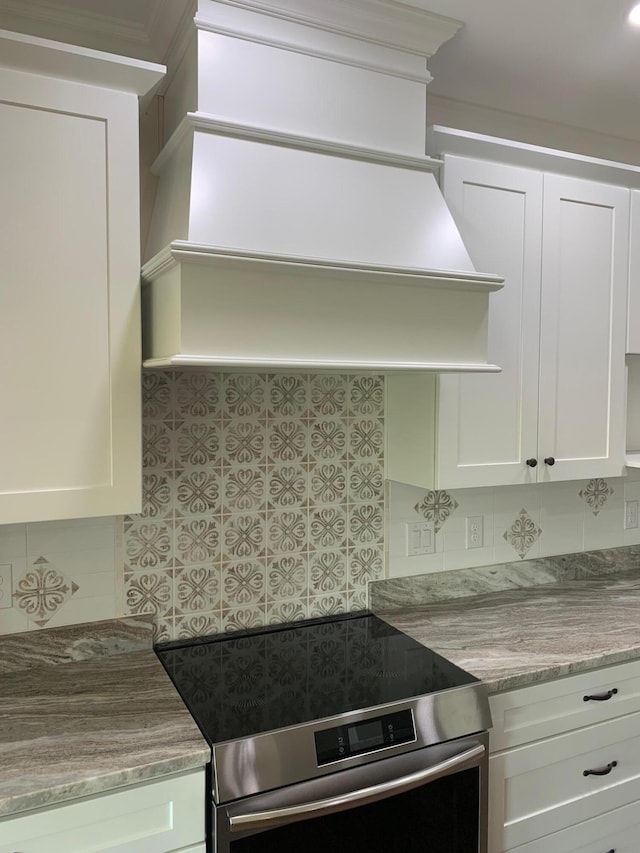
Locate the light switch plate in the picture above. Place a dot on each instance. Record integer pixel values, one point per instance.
(421, 538)
(6, 583)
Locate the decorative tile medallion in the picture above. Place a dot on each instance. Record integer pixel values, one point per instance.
(595, 494)
(437, 505)
(197, 589)
(43, 591)
(522, 534)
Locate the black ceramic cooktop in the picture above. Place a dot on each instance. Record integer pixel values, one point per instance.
(243, 684)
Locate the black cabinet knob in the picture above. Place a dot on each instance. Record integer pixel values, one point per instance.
(549, 460)
(532, 463)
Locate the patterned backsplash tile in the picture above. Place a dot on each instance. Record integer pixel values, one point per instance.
(263, 499)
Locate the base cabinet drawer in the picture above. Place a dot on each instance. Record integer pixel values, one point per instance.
(547, 786)
(618, 831)
(544, 710)
(155, 817)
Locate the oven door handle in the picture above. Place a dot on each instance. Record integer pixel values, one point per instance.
(252, 821)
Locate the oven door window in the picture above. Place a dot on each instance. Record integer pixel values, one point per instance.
(441, 816)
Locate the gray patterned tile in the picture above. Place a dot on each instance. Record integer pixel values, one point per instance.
(196, 589)
(328, 395)
(328, 483)
(198, 492)
(288, 395)
(197, 443)
(286, 611)
(328, 438)
(366, 482)
(244, 536)
(157, 395)
(242, 618)
(198, 393)
(245, 442)
(366, 395)
(366, 438)
(287, 441)
(147, 544)
(149, 593)
(287, 485)
(328, 527)
(197, 540)
(244, 394)
(245, 489)
(366, 524)
(327, 572)
(287, 577)
(287, 531)
(243, 583)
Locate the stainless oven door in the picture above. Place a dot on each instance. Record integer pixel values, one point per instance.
(433, 799)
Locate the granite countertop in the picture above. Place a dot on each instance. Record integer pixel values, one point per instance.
(88, 712)
(523, 625)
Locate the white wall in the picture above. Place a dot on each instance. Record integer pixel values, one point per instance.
(562, 521)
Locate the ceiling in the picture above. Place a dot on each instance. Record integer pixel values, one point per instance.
(576, 62)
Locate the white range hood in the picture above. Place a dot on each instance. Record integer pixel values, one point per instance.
(298, 222)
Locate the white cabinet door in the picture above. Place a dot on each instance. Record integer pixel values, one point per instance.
(165, 815)
(487, 425)
(69, 301)
(583, 328)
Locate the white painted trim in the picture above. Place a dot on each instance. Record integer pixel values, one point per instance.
(385, 22)
(447, 140)
(79, 64)
(269, 136)
(182, 251)
(220, 361)
(333, 56)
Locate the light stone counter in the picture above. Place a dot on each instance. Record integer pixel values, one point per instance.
(70, 728)
(549, 618)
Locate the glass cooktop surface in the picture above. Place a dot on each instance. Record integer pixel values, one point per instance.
(243, 684)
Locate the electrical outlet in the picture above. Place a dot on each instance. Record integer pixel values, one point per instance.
(420, 538)
(475, 531)
(630, 515)
(5, 585)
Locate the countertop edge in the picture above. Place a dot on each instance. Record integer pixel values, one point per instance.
(63, 795)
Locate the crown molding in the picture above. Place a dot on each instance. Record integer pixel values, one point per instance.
(385, 22)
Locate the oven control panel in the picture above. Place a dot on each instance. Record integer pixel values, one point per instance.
(364, 736)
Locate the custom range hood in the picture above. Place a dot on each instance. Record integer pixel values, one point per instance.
(298, 223)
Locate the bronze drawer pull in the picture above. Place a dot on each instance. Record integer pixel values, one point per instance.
(601, 697)
(602, 771)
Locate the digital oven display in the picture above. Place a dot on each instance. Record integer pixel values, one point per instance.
(364, 736)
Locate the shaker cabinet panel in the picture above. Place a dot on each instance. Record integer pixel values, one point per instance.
(69, 299)
(487, 424)
(583, 317)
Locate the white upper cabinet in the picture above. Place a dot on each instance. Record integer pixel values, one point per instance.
(585, 263)
(488, 428)
(557, 328)
(69, 298)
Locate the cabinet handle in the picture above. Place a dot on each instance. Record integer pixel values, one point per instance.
(532, 463)
(549, 461)
(600, 697)
(602, 771)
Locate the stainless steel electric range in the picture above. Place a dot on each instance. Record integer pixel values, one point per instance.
(333, 734)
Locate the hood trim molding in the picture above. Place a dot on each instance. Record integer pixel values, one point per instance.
(310, 314)
(222, 127)
(182, 251)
